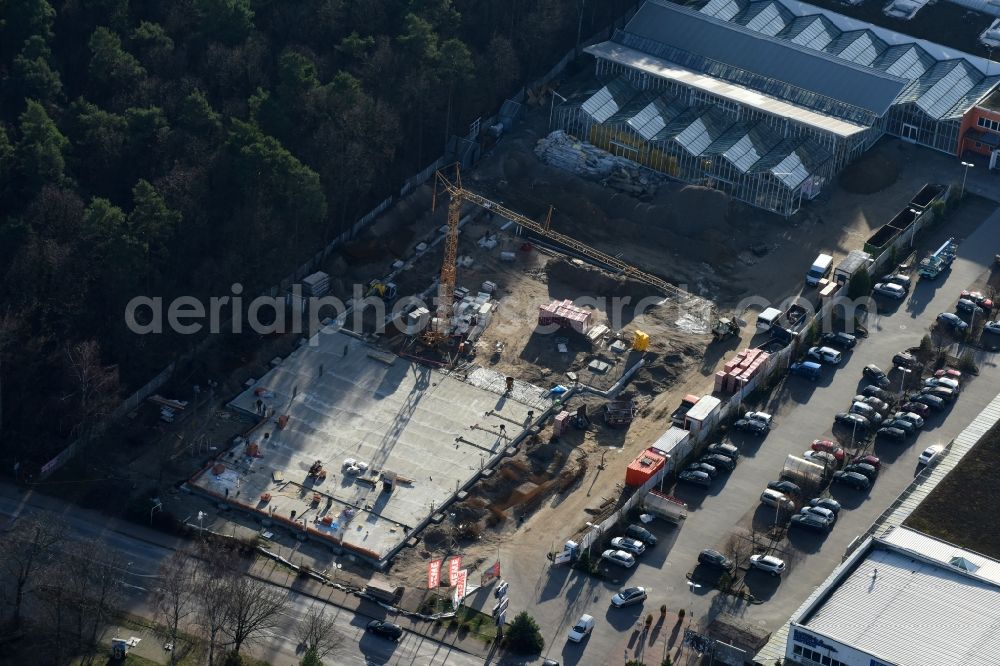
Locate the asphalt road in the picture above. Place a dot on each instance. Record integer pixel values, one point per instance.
(280, 648)
(803, 411)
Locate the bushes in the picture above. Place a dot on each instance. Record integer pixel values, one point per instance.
(523, 635)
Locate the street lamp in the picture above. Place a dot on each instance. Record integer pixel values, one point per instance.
(552, 105)
(902, 378)
(965, 175)
(913, 227)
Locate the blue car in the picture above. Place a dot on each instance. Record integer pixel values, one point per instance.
(808, 369)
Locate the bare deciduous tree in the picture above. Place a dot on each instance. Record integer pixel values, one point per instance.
(316, 632)
(93, 588)
(175, 595)
(211, 590)
(96, 386)
(253, 607)
(27, 548)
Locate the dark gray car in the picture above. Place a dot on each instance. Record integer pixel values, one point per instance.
(853, 479)
(719, 461)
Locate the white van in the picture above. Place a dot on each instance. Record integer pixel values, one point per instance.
(820, 269)
(766, 319)
(825, 355)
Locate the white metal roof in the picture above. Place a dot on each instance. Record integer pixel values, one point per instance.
(703, 408)
(915, 610)
(668, 70)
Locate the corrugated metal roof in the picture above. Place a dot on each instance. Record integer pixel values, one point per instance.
(894, 516)
(642, 61)
(734, 45)
(914, 612)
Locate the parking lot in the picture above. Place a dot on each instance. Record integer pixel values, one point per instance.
(803, 411)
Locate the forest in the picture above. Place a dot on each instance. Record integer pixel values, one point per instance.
(169, 148)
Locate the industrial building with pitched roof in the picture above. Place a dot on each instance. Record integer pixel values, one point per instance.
(769, 100)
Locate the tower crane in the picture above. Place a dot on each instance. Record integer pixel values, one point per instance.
(438, 331)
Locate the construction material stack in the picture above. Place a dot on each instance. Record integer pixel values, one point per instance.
(316, 285)
(565, 314)
(740, 370)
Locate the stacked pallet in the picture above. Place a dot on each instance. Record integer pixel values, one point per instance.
(740, 370)
(317, 284)
(564, 313)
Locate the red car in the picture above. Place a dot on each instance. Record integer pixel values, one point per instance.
(874, 461)
(950, 373)
(830, 447)
(979, 298)
(916, 408)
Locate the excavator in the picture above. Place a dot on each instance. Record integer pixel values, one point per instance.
(384, 290)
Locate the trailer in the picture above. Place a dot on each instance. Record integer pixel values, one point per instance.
(677, 416)
(665, 506)
(620, 413)
(931, 267)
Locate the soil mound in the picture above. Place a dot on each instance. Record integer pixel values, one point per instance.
(594, 282)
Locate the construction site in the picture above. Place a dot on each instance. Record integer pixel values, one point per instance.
(563, 311)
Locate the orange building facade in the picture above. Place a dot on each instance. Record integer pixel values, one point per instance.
(980, 131)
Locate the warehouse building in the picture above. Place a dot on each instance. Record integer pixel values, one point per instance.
(902, 599)
(769, 100)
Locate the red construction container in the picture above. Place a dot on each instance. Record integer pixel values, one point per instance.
(643, 468)
(720, 380)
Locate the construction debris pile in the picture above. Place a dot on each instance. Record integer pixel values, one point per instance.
(564, 151)
(740, 370)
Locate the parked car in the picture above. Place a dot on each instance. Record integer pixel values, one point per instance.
(826, 503)
(946, 382)
(724, 449)
(619, 557)
(853, 479)
(696, 478)
(763, 417)
(830, 447)
(719, 462)
(930, 454)
(385, 629)
(821, 458)
(936, 403)
(968, 307)
(702, 467)
(874, 461)
(902, 279)
(775, 499)
(953, 321)
(751, 426)
(827, 355)
(873, 391)
(875, 375)
(866, 411)
(942, 392)
(918, 408)
(891, 432)
(785, 488)
(628, 596)
(977, 297)
(713, 558)
(852, 420)
(881, 406)
(583, 628)
(811, 522)
(826, 514)
(769, 563)
(902, 424)
(863, 469)
(633, 546)
(992, 327)
(949, 372)
(915, 419)
(809, 369)
(890, 290)
(905, 360)
(839, 340)
(639, 532)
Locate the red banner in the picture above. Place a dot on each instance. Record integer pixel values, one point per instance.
(460, 584)
(433, 574)
(491, 574)
(454, 565)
